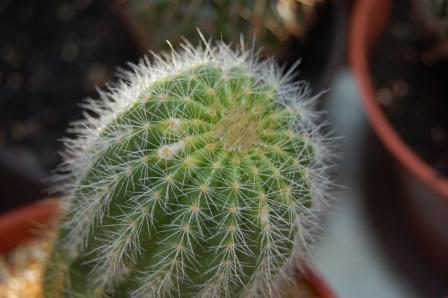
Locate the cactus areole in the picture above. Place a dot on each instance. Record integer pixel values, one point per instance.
(200, 174)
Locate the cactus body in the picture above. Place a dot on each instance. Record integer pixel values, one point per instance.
(200, 176)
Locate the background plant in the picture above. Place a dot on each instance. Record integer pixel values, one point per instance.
(201, 174)
(272, 23)
(440, 10)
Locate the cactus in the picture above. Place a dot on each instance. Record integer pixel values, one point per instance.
(201, 174)
(272, 23)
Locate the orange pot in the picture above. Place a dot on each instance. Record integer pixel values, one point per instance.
(18, 226)
(426, 201)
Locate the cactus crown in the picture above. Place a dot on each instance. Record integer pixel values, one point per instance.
(200, 175)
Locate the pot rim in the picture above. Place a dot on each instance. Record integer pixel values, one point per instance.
(367, 21)
(25, 219)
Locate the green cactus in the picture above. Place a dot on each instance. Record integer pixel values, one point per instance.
(199, 175)
(272, 23)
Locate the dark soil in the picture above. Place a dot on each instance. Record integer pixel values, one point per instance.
(53, 54)
(411, 79)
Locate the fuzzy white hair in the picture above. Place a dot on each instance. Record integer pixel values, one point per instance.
(81, 151)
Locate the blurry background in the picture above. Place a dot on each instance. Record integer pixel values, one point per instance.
(52, 55)
(55, 53)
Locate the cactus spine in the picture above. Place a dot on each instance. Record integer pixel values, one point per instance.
(200, 175)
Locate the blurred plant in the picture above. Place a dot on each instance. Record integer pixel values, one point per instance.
(272, 23)
(431, 30)
(433, 15)
(202, 174)
(440, 10)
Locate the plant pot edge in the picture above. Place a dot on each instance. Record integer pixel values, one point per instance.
(426, 191)
(360, 38)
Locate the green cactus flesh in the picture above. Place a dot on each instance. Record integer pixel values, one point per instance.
(194, 190)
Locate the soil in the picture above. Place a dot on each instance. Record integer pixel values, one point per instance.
(53, 53)
(411, 79)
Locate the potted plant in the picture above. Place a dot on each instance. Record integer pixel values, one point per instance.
(273, 24)
(312, 31)
(202, 174)
(397, 60)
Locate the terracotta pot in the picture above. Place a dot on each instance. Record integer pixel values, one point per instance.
(426, 192)
(19, 225)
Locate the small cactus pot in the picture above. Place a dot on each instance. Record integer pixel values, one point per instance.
(203, 173)
(19, 226)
